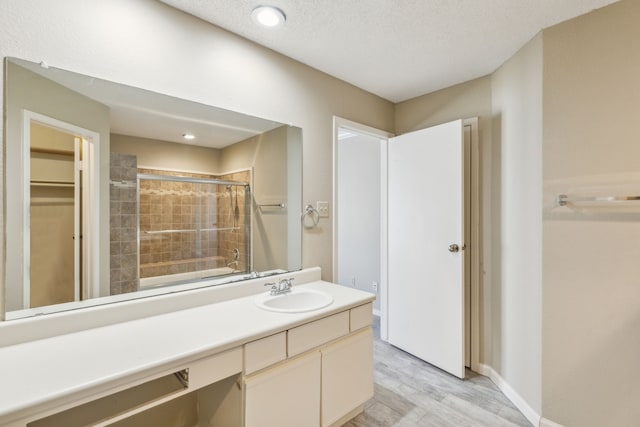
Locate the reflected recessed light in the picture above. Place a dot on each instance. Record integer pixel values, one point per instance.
(188, 136)
(268, 16)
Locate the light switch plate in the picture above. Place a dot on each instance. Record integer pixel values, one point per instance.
(323, 209)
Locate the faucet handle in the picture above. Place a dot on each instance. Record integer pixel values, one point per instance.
(274, 288)
(285, 284)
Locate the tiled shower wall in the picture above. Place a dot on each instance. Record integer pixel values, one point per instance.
(186, 227)
(123, 224)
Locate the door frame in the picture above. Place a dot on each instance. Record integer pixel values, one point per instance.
(475, 246)
(90, 201)
(475, 234)
(383, 136)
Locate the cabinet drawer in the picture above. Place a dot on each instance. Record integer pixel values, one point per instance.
(264, 352)
(316, 333)
(361, 316)
(211, 369)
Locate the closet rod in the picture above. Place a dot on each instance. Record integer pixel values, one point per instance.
(51, 183)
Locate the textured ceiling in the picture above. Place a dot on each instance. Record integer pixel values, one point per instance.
(397, 49)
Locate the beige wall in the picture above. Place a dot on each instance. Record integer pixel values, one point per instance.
(266, 155)
(516, 233)
(156, 154)
(466, 100)
(591, 317)
(28, 92)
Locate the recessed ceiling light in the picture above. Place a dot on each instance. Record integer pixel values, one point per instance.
(268, 16)
(188, 136)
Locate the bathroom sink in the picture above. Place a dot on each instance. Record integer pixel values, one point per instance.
(294, 301)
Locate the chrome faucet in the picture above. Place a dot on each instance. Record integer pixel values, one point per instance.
(281, 288)
(285, 285)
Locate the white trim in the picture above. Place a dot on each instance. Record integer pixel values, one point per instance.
(78, 146)
(383, 136)
(522, 405)
(26, 208)
(384, 239)
(548, 423)
(91, 214)
(476, 236)
(339, 122)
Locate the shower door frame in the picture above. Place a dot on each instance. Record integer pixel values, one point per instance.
(211, 181)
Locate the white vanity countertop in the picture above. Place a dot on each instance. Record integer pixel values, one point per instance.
(39, 375)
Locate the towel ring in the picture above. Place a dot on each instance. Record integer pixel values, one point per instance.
(311, 212)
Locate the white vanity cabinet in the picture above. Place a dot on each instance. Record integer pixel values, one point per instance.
(322, 375)
(245, 367)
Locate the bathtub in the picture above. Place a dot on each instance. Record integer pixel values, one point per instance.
(170, 279)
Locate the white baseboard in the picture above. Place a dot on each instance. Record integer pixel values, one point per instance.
(548, 423)
(514, 397)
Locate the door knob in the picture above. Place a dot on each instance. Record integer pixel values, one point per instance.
(456, 248)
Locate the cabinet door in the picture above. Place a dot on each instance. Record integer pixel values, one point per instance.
(347, 376)
(287, 395)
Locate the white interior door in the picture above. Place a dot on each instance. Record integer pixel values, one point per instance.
(425, 226)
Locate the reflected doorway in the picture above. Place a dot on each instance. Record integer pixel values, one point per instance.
(59, 168)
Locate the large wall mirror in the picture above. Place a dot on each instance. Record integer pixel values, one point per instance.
(114, 192)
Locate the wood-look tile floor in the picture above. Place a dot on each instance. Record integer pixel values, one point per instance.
(410, 392)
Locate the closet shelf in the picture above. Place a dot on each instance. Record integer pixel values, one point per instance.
(58, 151)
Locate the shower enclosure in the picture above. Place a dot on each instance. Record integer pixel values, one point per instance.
(191, 228)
